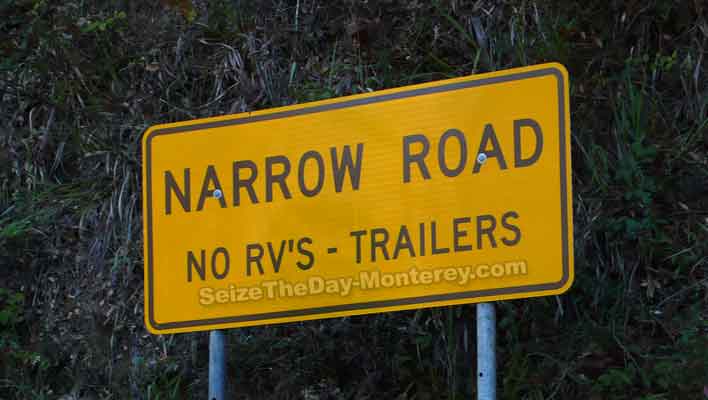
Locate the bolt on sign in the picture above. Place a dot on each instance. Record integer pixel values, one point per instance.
(450, 192)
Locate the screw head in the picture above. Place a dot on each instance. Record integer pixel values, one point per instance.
(217, 193)
(481, 158)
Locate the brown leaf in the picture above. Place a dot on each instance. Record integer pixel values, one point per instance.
(185, 7)
(152, 67)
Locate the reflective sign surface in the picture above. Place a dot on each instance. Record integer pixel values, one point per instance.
(450, 192)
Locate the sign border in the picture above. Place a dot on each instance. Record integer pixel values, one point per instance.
(555, 70)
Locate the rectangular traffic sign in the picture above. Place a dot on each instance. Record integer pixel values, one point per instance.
(450, 192)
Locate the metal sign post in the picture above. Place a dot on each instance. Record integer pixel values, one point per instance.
(315, 176)
(217, 365)
(486, 352)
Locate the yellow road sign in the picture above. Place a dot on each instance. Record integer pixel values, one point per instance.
(451, 192)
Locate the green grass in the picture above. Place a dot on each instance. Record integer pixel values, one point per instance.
(80, 81)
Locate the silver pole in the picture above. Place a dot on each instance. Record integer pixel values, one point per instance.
(217, 365)
(486, 352)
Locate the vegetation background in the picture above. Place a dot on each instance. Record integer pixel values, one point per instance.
(81, 80)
